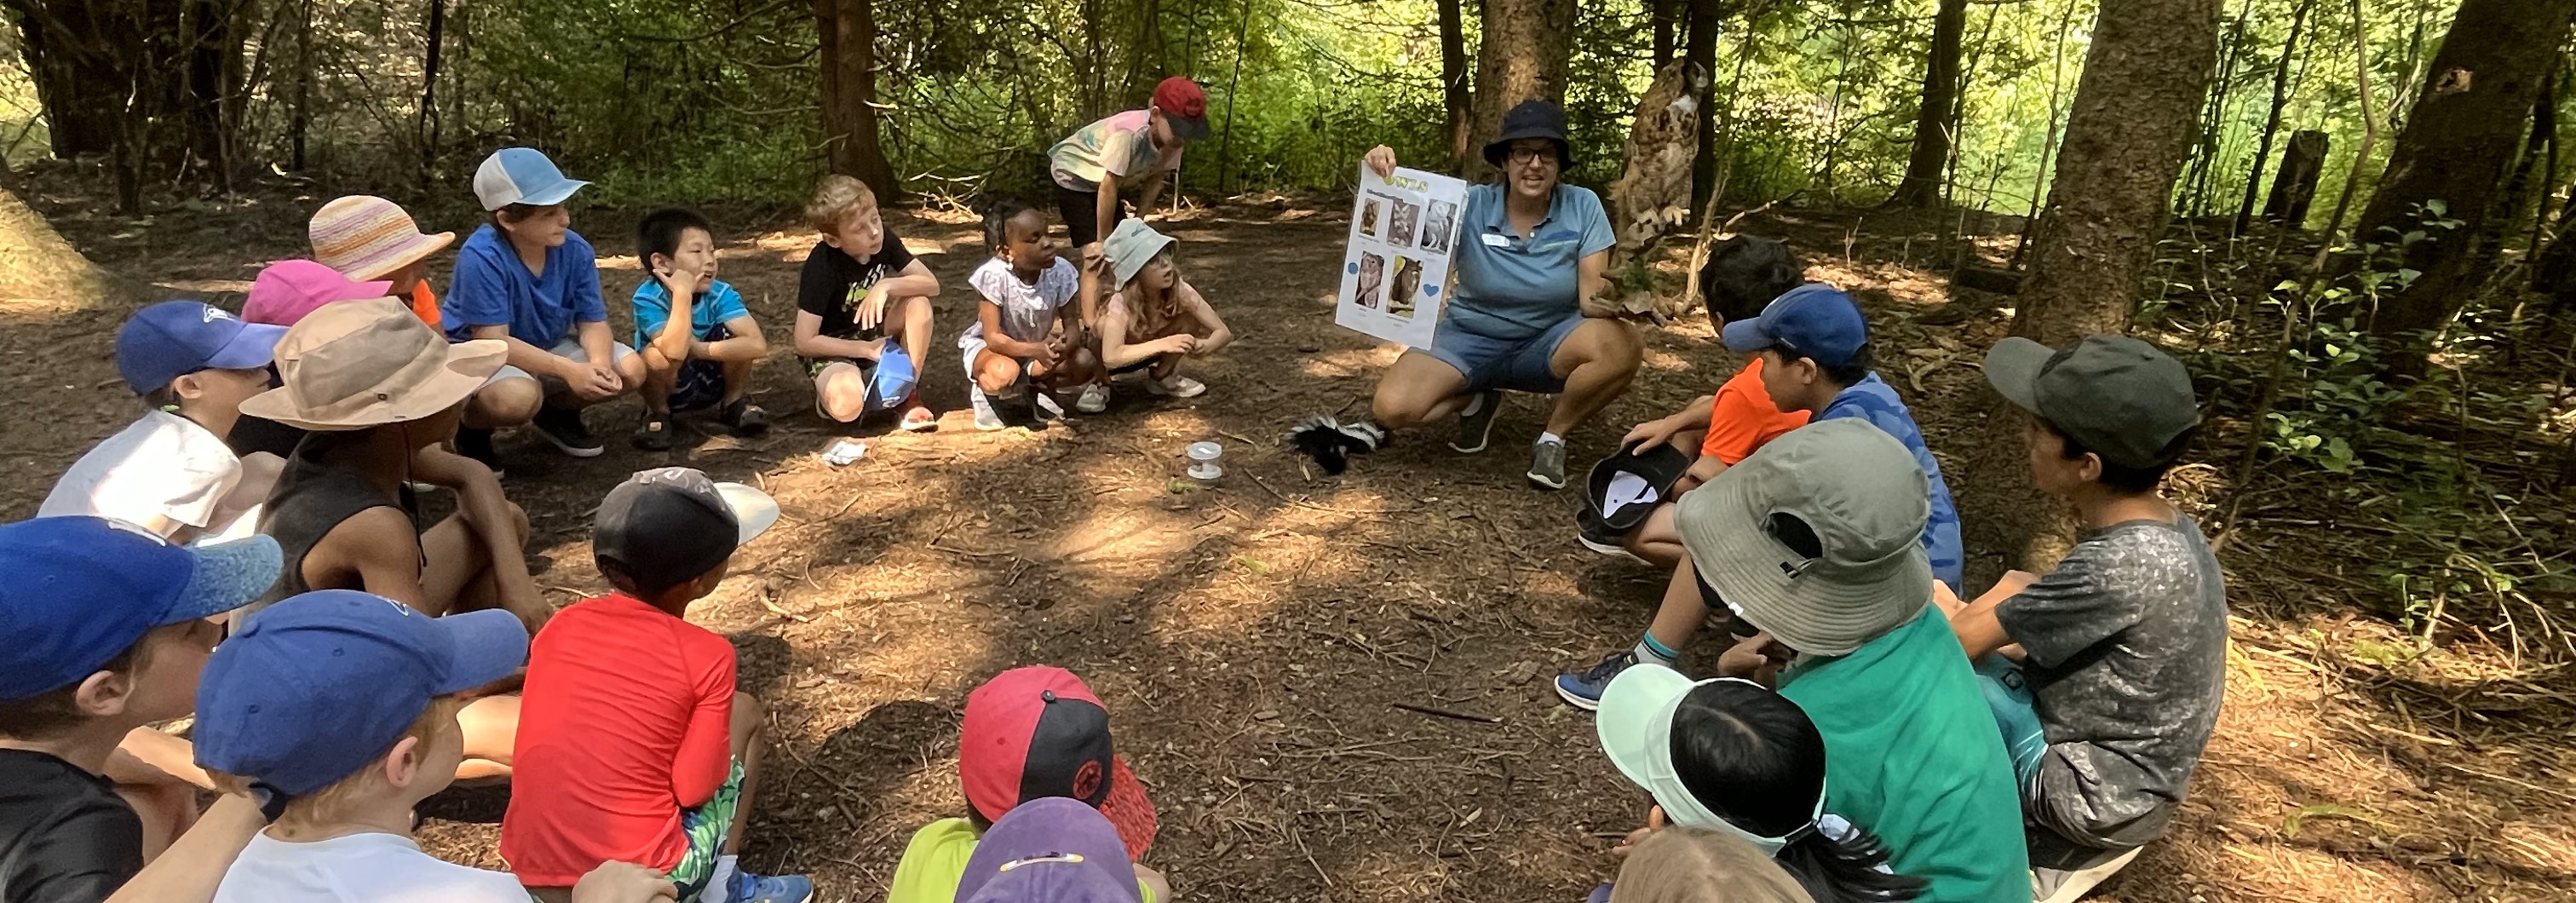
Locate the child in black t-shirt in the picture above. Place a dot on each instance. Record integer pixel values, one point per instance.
(860, 288)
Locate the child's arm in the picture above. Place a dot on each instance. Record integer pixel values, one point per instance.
(1153, 191)
(1980, 631)
(1104, 215)
(1116, 352)
(990, 315)
(1218, 335)
(194, 865)
(666, 348)
(705, 756)
(811, 342)
(496, 524)
(745, 344)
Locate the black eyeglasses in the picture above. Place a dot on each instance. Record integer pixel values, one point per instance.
(1523, 156)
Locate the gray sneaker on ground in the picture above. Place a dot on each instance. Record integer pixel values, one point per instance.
(1547, 464)
(1474, 428)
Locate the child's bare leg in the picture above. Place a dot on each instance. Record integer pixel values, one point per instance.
(995, 371)
(748, 716)
(508, 402)
(167, 808)
(737, 381)
(491, 727)
(1079, 367)
(1682, 610)
(908, 322)
(658, 383)
(1657, 540)
(843, 391)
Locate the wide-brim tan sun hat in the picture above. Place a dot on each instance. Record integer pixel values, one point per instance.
(366, 237)
(1860, 500)
(357, 364)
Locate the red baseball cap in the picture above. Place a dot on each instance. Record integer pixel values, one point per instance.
(1186, 104)
(1037, 732)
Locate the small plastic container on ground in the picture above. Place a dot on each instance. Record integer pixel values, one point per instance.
(1203, 457)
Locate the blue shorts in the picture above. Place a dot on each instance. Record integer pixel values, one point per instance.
(1520, 365)
(2008, 696)
(701, 382)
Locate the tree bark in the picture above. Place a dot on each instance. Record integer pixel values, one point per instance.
(1524, 55)
(848, 57)
(1936, 122)
(1458, 96)
(1667, 22)
(2458, 138)
(2296, 185)
(1699, 46)
(2272, 120)
(2517, 187)
(2132, 127)
(426, 127)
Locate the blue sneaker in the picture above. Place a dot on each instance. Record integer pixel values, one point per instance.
(1584, 690)
(750, 888)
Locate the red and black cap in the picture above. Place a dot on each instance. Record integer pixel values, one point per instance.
(1038, 732)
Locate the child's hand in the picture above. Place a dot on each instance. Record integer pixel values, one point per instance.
(1628, 844)
(1162, 886)
(1184, 343)
(1758, 658)
(1380, 160)
(591, 382)
(679, 282)
(620, 882)
(1650, 434)
(872, 308)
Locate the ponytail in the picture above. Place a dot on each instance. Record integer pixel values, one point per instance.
(1849, 868)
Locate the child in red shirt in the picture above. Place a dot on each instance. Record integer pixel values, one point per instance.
(1743, 273)
(633, 744)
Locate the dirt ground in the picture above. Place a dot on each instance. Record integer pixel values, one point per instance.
(1255, 638)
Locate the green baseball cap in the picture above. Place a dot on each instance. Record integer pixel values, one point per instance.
(2117, 396)
(1816, 538)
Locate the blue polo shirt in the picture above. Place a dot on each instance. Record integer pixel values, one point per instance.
(493, 288)
(1513, 286)
(707, 310)
(1873, 400)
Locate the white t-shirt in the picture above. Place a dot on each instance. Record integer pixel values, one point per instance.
(164, 465)
(1028, 311)
(359, 868)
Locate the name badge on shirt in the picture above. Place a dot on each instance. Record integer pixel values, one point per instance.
(1497, 240)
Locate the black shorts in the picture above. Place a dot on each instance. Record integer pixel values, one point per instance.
(1081, 212)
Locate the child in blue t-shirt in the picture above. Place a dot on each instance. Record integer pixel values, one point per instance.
(1813, 344)
(526, 278)
(709, 363)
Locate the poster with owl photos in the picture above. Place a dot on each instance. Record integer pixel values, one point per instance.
(1403, 230)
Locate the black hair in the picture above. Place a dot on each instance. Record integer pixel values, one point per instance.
(660, 232)
(997, 221)
(55, 711)
(515, 212)
(1754, 759)
(1849, 372)
(623, 579)
(1744, 273)
(2122, 478)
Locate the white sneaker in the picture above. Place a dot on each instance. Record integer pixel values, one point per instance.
(1047, 405)
(1095, 399)
(1176, 385)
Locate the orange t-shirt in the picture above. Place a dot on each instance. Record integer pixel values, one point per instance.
(1743, 418)
(424, 303)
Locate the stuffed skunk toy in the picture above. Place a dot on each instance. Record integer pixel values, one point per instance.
(1332, 443)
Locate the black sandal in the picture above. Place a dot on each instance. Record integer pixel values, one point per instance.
(744, 418)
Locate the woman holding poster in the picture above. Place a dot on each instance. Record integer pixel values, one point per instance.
(1528, 313)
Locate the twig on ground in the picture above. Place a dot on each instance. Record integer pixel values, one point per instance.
(1445, 713)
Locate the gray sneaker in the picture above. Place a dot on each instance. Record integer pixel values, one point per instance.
(1547, 465)
(1474, 428)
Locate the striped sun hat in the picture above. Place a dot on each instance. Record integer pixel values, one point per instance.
(367, 237)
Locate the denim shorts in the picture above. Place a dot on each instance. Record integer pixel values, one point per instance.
(1520, 365)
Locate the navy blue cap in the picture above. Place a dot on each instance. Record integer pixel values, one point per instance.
(172, 339)
(1051, 850)
(76, 592)
(1815, 320)
(322, 684)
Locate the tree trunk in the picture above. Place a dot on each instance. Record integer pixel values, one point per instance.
(1667, 21)
(1454, 89)
(852, 146)
(1699, 46)
(2517, 187)
(426, 127)
(2458, 138)
(2132, 127)
(1523, 57)
(79, 74)
(2272, 120)
(1935, 122)
(2296, 185)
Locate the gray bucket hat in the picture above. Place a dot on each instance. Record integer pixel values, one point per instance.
(1858, 492)
(1130, 247)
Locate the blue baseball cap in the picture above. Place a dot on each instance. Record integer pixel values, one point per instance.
(172, 339)
(1050, 850)
(1815, 320)
(521, 175)
(890, 381)
(323, 683)
(76, 592)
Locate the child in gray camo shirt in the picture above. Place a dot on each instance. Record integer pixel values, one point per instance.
(2106, 674)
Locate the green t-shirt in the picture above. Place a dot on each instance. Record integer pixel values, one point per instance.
(1912, 754)
(934, 863)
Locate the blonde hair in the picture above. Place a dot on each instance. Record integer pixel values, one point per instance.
(329, 803)
(835, 199)
(1694, 865)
